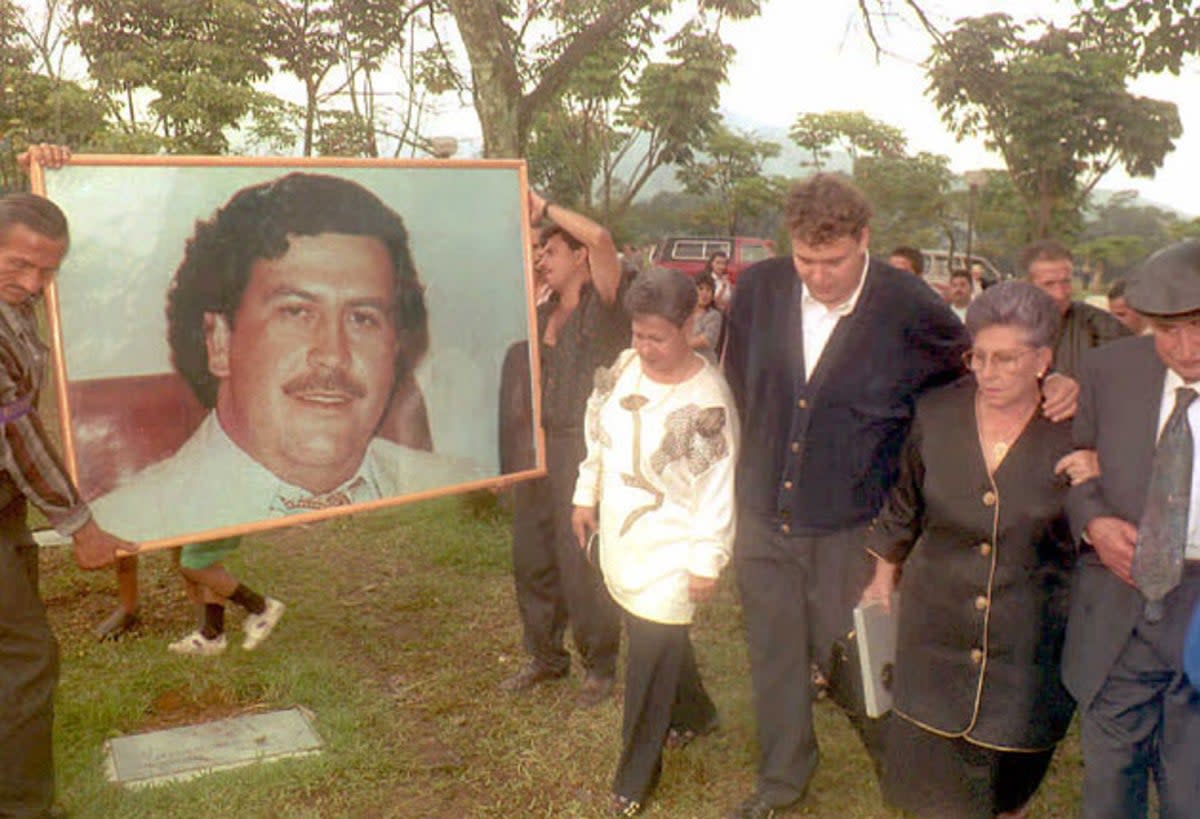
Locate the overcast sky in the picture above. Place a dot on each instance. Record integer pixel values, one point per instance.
(815, 56)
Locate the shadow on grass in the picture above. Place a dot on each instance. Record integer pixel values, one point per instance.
(399, 626)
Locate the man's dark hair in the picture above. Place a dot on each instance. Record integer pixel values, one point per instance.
(1044, 250)
(1117, 291)
(662, 292)
(963, 274)
(551, 230)
(712, 257)
(916, 257)
(826, 207)
(255, 225)
(705, 280)
(35, 212)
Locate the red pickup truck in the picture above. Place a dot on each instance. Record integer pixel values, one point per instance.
(690, 253)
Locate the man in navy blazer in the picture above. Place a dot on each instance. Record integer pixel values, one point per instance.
(1123, 659)
(826, 354)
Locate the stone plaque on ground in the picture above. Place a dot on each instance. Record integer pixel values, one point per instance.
(193, 750)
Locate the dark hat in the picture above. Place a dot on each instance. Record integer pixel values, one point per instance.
(1168, 283)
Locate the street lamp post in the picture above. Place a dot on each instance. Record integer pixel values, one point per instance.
(975, 180)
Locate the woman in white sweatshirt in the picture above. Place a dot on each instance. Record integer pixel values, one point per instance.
(657, 487)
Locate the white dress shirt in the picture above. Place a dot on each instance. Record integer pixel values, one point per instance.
(1171, 383)
(819, 321)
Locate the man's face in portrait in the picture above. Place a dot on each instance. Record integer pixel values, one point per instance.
(28, 260)
(1053, 277)
(832, 270)
(307, 368)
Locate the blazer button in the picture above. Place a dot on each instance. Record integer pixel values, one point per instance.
(787, 485)
(981, 603)
(976, 656)
(802, 404)
(985, 548)
(989, 498)
(785, 528)
(795, 446)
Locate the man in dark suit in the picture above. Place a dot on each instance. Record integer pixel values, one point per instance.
(1138, 578)
(827, 351)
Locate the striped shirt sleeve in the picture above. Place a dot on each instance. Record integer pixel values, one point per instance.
(27, 456)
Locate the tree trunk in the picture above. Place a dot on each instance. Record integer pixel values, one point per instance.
(494, 80)
(505, 112)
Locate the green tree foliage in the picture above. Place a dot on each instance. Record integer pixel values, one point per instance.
(727, 172)
(1159, 34)
(851, 131)
(623, 116)
(525, 58)
(335, 48)
(1111, 257)
(35, 107)
(1120, 233)
(1001, 226)
(1186, 230)
(196, 60)
(1054, 104)
(911, 199)
(911, 195)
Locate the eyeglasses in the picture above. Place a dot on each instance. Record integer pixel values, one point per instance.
(1003, 360)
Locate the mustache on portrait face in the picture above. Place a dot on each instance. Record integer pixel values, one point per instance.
(325, 380)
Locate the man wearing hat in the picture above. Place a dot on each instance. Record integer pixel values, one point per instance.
(1138, 575)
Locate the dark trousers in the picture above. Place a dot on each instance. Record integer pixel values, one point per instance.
(662, 691)
(554, 581)
(28, 674)
(1145, 721)
(950, 778)
(798, 597)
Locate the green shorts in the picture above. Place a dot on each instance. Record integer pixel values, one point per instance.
(203, 555)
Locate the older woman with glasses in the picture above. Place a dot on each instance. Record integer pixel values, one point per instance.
(661, 432)
(976, 521)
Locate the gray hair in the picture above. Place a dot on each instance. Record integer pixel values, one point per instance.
(1016, 304)
(662, 292)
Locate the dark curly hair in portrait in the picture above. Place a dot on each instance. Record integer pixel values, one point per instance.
(255, 224)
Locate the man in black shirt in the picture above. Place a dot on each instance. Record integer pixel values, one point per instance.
(581, 327)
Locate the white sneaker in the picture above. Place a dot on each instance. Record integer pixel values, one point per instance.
(199, 645)
(259, 626)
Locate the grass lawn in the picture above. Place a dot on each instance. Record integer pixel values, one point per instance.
(399, 626)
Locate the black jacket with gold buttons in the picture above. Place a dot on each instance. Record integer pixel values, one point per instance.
(985, 582)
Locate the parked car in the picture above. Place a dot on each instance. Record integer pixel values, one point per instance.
(690, 253)
(938, 268)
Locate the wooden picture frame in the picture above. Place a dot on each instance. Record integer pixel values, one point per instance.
(147, 431)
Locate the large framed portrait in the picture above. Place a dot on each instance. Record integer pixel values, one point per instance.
(242, 344)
